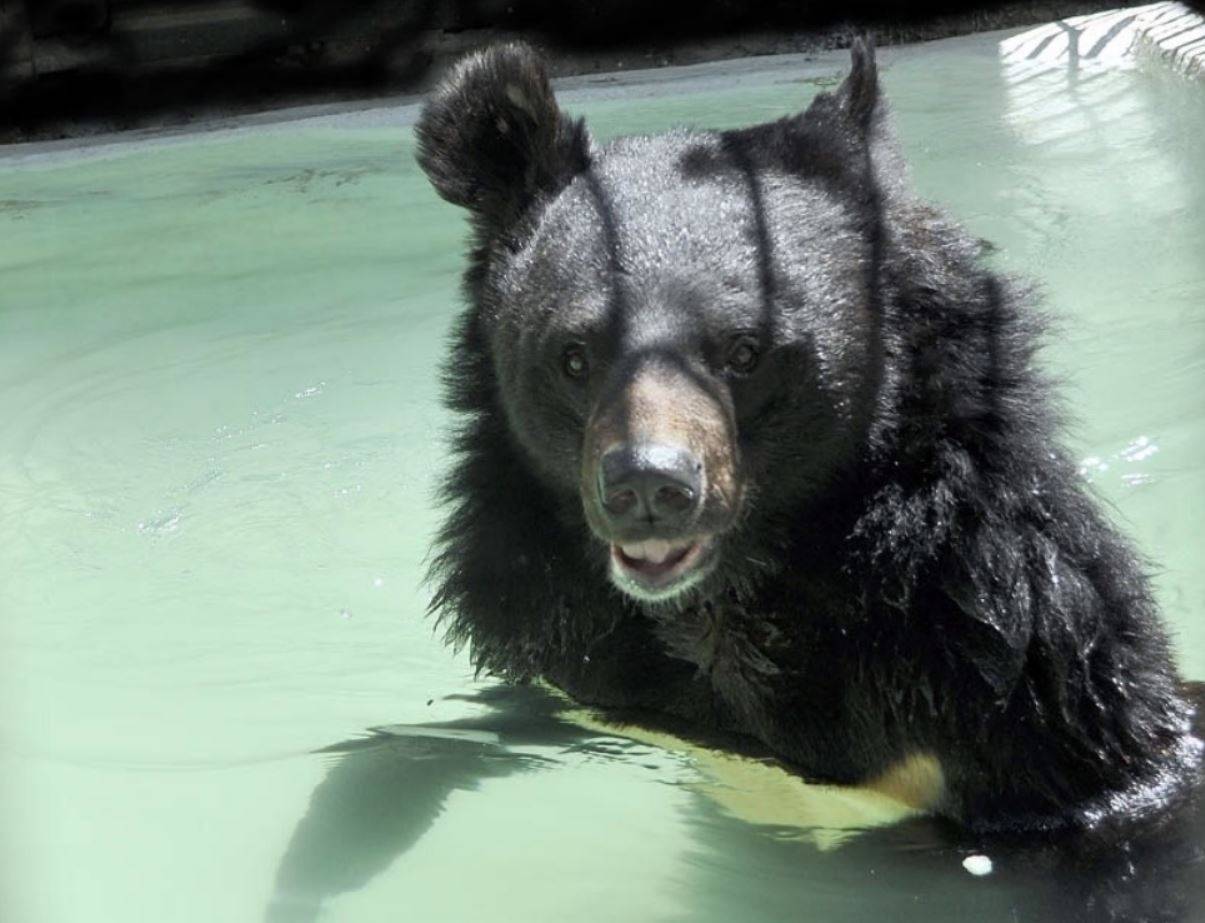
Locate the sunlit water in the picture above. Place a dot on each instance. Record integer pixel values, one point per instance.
(219, 435)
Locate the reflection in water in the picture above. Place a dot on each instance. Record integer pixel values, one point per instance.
(1061, 76)
(385, 791)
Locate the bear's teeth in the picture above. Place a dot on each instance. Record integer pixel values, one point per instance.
(656, 551)
(653, 550)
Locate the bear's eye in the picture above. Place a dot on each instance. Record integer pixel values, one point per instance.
(743, 353)
(574, 362)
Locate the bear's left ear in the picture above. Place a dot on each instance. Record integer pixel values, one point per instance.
(854, 103)
(492, 138)
(858, 94)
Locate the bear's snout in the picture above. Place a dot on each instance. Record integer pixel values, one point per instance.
(650, 486)
(659, 478)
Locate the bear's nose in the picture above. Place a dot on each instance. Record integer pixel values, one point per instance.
(656, 484)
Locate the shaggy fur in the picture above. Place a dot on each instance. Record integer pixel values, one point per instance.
(915, 566)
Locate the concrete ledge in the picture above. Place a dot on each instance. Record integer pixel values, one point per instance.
(1175, 35)
(1167, 32)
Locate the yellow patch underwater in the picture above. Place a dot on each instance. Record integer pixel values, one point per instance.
(763, 792)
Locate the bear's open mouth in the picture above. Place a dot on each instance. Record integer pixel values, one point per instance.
(656, 568)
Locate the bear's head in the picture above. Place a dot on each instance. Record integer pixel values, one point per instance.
(676, 332)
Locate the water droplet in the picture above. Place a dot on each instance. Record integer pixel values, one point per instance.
(310, 391)
(1139, 450)
(162, 521)
(977, 865)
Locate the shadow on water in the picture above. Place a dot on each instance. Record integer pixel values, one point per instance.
(384, 792)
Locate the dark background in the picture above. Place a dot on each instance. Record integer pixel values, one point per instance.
(71, 67)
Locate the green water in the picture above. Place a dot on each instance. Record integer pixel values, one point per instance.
(219, 435)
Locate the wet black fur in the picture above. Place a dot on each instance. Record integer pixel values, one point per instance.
(949, 586)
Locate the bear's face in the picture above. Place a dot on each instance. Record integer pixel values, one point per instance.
(645, 367)
(678, 326)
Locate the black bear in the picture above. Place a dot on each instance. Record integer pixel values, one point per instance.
(752, 439)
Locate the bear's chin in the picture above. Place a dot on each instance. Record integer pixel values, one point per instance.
(661, 571)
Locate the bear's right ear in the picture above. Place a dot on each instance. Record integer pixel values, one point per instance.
(492, 139)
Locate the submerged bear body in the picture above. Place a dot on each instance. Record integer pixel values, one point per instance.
(752, 439)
